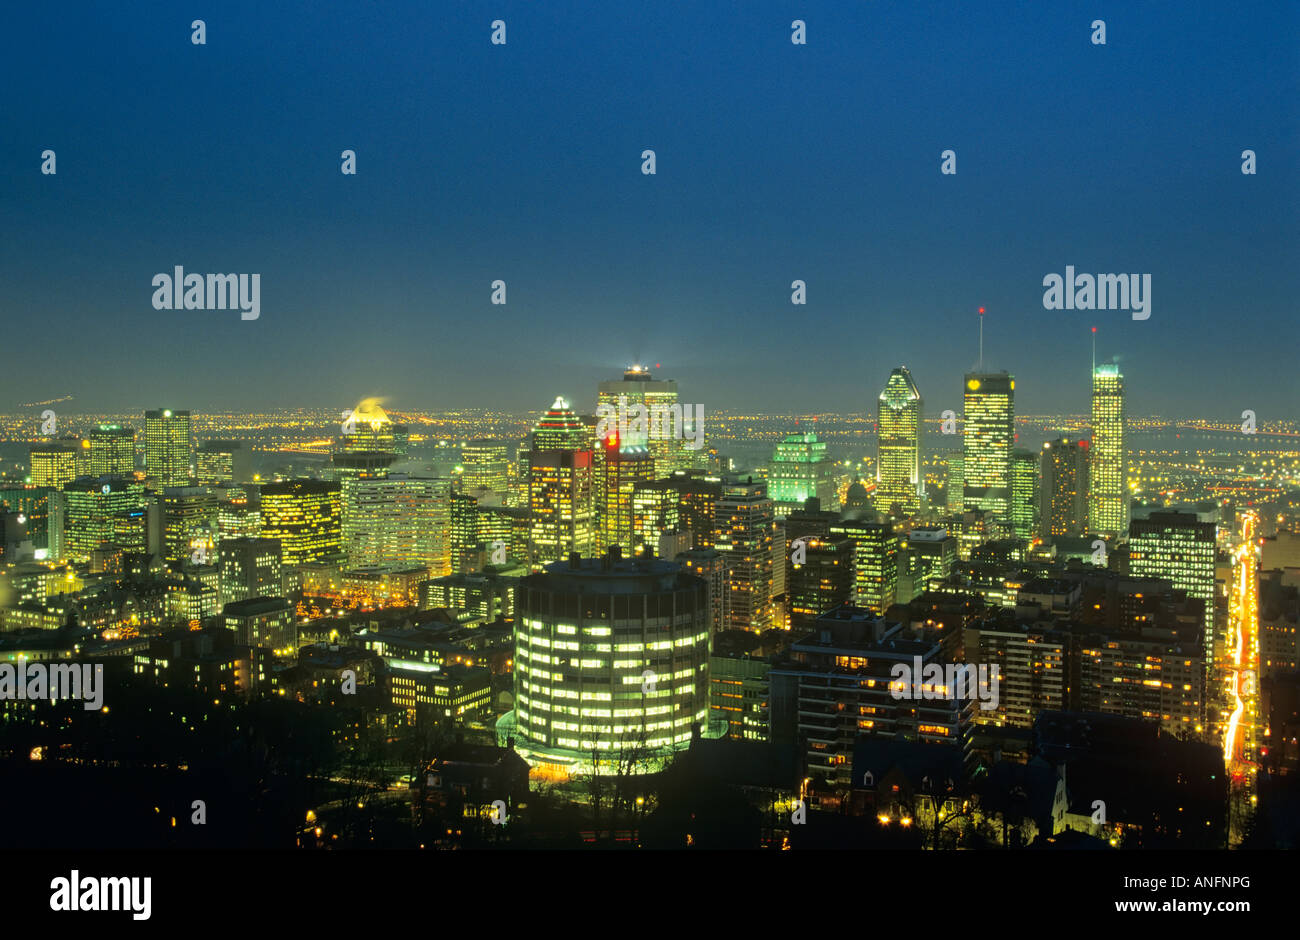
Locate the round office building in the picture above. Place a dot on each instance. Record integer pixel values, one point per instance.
(611, 663)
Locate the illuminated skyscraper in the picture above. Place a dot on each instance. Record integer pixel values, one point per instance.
(368, 429)
(800, 469)
(105, 510)
(466, 548)
(624, 467)
(53, 464)
(218, 462)
(743, 531)
(899, 483)
(167, 446)
(822, 582)
(1064, 500)
(306, 516)
(586, 633)
(1178, 547)
(190, 524)
(875, 561)
(486, 467)
(250, 567)
(561, 486)
(111, 451)
(988, 436)
(659, 396)
(1108, 484)
(1024, 493)
(397, 520)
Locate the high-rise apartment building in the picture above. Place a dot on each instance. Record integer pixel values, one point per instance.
(899, 483)
(1108, 495)
(988, 437)
(167, 446)
(743, 532)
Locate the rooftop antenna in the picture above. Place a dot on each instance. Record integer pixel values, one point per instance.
(1094, 350)
(981, 368)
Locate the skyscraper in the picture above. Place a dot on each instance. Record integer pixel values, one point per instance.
(821, 582)
(1064, 499)
(1024, 493)
(875, 561)
(397, 520)
(561, 486)
(306, 516)
(112, 451)
(53, 464)
(486, 467)
(167, 446)
(1108, 482)
(1178, 547)
(898, 466)
(800, 469)
(659, 396)
(743, 531)
(624, 468)
(218, 462)
(989, 435)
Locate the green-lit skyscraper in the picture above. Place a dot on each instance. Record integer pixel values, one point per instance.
(800, 468)
(1108, 483)
(168, 445)
(898, 466)
(989, 435)
(1024, 493)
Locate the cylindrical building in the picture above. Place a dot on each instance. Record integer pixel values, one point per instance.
(611, 661)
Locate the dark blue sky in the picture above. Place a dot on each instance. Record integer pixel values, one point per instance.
(522, 162)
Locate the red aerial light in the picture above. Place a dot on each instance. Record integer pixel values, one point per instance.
(981, 311)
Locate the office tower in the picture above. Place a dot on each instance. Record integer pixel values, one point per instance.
(743, 533)
(956, 484)
(624, 468)
(697, 499)
(656, 512)
(191, 526)
(899, 483)
(222, 462)
(926, 553)
(238, 517)
(306, 516)
(1178, 547)
(167, 446)
(396, 520)
(561, 429)
(250, 567)
(476, 597)
(466, 546)
(268, 622)
(511, 526)
(822, 582)
(1108, 475)
(1024, 493)
(561, 498)
(486, 467)
(834, 688)
(1031, 667)
(800, 469)
(709, 565)
(104, 511)
(666, 433)
(587, 632)
(368, 429)
(988, 436)
(53, 464)
(1064, 494)
(111, 451)
(875, 561)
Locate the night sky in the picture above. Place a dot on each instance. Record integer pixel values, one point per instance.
(522, 162)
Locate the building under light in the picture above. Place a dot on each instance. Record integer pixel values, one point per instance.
(899, 484)
(659, 396)
(168, 446)
(988, 437)
(111, 451)
(306, 516)
(1178, 547)
(744, 532)
(561, 487)
(222, 462)
(1064, 494)
(53, 464)
(1108, 477)
(1024, 493)
(611, 662)
(800, 469)
(624, 469)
